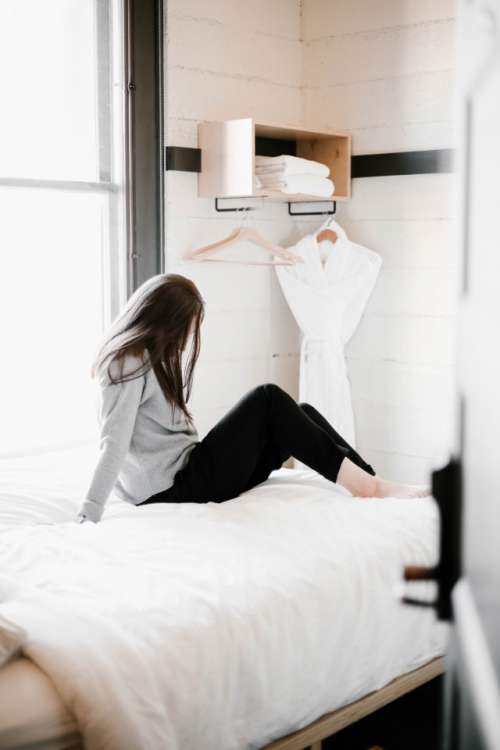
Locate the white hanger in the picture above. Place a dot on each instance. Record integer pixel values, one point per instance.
(248, 234)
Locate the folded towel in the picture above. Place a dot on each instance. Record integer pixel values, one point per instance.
(286, 164)
(301, 183)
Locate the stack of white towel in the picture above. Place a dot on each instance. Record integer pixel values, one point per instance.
(292, 174)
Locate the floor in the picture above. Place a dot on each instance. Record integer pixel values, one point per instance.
(412, 722)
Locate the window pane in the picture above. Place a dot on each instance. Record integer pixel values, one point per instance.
(52, 285)
(48, 73)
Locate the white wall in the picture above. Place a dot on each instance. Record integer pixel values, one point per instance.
(226, 60)
(382, 69)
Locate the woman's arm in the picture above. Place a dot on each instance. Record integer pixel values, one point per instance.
(119, 404)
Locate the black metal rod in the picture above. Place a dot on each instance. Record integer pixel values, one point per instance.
(222, 210)
(312, 213)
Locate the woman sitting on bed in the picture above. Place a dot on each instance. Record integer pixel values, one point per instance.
(150, 451)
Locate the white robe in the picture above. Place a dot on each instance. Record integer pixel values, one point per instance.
(328, 302)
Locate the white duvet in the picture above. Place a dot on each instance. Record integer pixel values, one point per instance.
(214, 626)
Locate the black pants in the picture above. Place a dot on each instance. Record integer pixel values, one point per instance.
(259, 433)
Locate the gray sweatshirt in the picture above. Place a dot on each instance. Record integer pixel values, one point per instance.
(142, 446)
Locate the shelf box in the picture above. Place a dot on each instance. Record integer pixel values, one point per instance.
(228, 151)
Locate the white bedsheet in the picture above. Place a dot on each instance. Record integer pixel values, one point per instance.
(215, 626)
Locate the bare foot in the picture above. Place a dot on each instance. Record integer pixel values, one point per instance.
(385, 488)
(362, 484)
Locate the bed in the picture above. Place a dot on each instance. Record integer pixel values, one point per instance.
(271, 620)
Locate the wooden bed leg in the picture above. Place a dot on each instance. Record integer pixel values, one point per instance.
(316, 745)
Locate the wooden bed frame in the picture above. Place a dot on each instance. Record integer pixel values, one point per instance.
(312, 735)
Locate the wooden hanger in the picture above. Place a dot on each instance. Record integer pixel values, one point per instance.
(327, 234)
(249, 234)
(325, 231)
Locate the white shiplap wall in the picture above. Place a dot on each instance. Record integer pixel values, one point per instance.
(384, 69)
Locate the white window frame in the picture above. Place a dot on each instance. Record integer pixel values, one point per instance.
(138, 171)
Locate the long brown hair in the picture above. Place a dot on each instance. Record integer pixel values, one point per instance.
(157, 317)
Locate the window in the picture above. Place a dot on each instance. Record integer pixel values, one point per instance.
(68, 224)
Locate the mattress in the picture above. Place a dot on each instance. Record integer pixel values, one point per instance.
(216, 625)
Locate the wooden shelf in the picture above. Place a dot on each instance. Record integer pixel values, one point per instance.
(228, 150)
